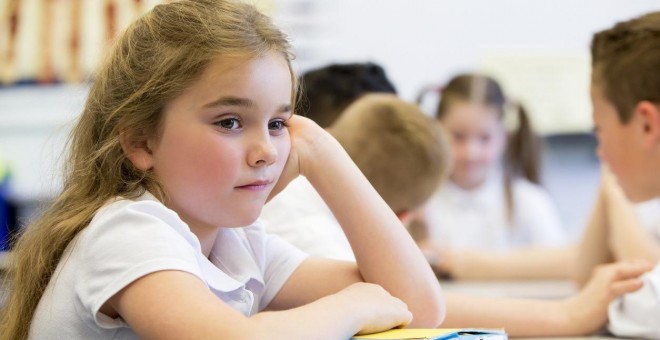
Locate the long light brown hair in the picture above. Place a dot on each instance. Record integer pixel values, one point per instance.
(153, 61)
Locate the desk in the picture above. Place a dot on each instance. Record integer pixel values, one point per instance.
(596, 337)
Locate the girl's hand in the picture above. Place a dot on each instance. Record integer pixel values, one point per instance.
(308, 140)
(587, 311)
(375, 308)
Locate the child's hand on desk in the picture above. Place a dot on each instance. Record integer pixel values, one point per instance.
(587, 311)
(375, 309)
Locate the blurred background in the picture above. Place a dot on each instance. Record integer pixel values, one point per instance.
(539, 50)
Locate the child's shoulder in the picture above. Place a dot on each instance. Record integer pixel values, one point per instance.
(524, 187)
(144, 205)
(142, 217)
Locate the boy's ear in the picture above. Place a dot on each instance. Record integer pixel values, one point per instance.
(137, 149)
(404, 216)
(650, 114)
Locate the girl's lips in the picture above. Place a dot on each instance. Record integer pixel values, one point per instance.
(256, 186)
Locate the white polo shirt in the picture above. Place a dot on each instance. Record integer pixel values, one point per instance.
(129, 239)
(299, 215)
(636, 314)
(477, 219)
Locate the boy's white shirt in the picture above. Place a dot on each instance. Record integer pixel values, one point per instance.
(648, 215)
(636, 314)
(129, 239)
(476, 219)
(299, 215)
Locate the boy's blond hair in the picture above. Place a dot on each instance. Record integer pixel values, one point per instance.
(401, 151)
(626, 62)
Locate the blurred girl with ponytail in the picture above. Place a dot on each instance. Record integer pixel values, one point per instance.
(493, 200)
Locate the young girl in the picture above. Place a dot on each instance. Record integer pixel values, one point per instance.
(486, 206)
(186, 133)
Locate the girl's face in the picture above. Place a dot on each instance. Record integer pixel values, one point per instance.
(224, 143)
(477, 141)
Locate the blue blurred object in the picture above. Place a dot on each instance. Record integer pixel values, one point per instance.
(5, 213)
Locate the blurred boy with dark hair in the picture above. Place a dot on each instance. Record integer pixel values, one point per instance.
(328, 90)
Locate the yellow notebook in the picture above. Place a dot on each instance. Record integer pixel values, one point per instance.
(436, 334)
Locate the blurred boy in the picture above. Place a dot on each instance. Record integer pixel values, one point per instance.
(403, 154)
(329, 90)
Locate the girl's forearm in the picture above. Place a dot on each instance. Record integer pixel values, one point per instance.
(519, 264)
(327, 317)
(385, 252)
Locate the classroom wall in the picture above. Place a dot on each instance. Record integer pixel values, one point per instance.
(539, 49)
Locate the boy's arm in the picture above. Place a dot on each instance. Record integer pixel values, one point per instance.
(627, 237)
(594, 247)
(582, 314)
(613, 232)
(384, 251)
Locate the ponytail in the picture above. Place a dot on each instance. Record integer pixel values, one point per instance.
(522, 157)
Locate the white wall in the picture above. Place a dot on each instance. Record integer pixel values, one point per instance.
(541, 46)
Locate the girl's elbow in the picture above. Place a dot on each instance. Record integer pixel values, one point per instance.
(431, 314)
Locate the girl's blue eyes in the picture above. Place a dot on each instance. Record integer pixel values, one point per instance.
(235, 123)
(229, 123)
(277, 125)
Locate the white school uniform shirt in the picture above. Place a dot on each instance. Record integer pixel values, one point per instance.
(128, 239)
(648, 215)
(636, 314)
(476, 219)
(299, 215)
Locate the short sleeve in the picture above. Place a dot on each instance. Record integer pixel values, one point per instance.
(539, 215)
(124, 242)
(277, 258)
(636, 314)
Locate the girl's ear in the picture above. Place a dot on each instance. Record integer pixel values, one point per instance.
(137, 149)
(650, 114)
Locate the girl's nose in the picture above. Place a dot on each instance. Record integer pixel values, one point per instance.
(471, 149)
(262, 152)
